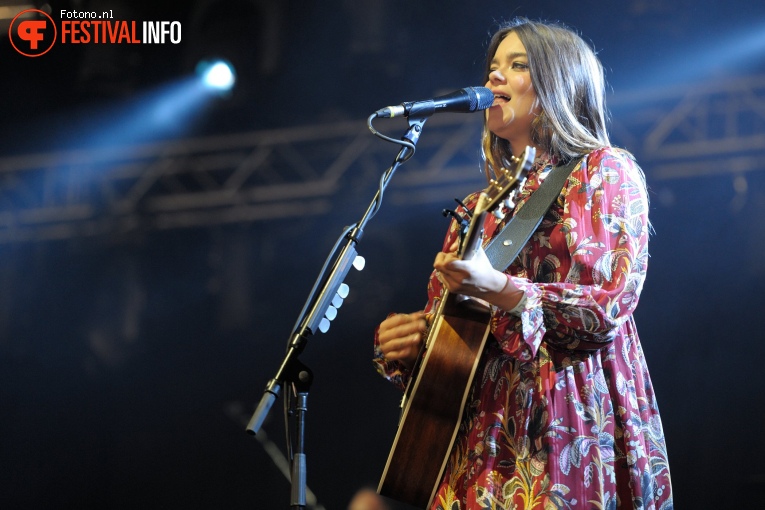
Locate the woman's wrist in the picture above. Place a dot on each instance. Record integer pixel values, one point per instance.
(508, 296)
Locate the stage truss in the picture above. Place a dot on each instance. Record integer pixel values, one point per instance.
(682, 132)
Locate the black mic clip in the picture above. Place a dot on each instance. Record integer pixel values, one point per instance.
(415, 109)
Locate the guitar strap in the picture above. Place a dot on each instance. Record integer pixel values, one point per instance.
(506, 245)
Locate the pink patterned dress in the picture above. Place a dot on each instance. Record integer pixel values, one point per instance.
(562, 413)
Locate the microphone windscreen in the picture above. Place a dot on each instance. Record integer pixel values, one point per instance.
(481, 98)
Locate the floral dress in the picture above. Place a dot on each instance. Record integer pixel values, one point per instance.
(562, 413)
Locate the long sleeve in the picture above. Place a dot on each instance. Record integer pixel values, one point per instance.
(562, 411)
(584, 268)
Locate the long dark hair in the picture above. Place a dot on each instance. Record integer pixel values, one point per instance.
(568, 79)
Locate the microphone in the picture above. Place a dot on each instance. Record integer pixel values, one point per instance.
(464, 100)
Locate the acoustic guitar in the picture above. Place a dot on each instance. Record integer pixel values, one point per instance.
(434, 400)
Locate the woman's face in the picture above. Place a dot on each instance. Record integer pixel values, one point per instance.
(515, 100)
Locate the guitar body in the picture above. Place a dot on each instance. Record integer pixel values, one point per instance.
(442, 378)
(435, 402)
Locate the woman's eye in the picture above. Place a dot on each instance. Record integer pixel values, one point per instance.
(520, 65)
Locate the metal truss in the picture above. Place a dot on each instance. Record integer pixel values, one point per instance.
(681, 132)
(235, 178)
(262, 175)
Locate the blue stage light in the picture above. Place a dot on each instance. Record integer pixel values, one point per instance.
(217, 75)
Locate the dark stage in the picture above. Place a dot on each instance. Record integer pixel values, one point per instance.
(157, 243)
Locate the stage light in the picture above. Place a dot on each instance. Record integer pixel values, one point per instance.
(217, 75)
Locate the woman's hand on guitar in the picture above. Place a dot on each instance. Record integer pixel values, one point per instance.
(476, 277)
(401, 336)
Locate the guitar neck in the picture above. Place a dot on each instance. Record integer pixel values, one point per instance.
(474, 236)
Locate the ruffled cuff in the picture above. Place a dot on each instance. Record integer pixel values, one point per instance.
(520, 307)
(528, 323)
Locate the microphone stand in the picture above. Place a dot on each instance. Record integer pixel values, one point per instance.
(320, 308)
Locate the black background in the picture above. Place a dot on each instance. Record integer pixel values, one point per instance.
(130, 363)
